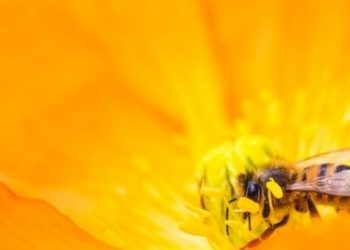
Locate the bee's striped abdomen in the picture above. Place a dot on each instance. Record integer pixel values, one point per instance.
(320, 172)
(317, 171)
(340, 168)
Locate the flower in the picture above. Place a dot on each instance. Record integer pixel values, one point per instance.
(107, 107)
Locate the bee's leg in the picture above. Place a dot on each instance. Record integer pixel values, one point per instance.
(267, 233)
(300, 203)
(312, 208)
(266, 209)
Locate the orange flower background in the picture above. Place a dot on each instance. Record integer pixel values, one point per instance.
(108, 105)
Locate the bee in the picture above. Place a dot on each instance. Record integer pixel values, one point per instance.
(250, 191)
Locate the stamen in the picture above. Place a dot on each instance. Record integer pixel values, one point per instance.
(209, 191)
(201, 212)
(233, 223)
(194, 226)
(195, 223)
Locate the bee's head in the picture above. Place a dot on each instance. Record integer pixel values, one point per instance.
(253, 190)
(251, 195)
(250, 187)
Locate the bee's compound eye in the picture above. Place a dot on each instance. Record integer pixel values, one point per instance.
(253, 191)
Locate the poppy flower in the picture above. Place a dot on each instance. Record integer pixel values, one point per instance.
(107, 107)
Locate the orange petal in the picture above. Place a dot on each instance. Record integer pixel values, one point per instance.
(332, 234)
(33, 224)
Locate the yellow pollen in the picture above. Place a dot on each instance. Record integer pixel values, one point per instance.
(274, 188)
(248, 205)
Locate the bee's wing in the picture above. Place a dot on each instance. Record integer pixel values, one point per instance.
(334, 184)
(337, 184)
(336, 157)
